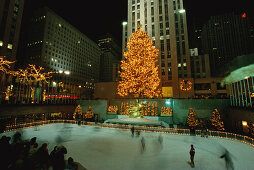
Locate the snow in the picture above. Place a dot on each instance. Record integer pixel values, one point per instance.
(114, 149)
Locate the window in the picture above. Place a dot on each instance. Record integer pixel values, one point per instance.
(202, 86)
(9, 46)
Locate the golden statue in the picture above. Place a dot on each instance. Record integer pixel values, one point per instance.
(135, 111)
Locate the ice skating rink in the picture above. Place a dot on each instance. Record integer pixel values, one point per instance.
(113, 149)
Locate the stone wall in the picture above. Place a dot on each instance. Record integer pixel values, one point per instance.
(202, 107)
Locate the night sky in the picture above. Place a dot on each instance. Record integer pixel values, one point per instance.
(96, 18)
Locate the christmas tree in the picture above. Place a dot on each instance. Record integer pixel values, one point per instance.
(77, 112)
(216, 120)
(89, 112)
(139, 71)
(192, 120)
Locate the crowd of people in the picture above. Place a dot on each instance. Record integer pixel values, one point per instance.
(18, 154)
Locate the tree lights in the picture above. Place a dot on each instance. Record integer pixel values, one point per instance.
(216, 120)
(5, 64)
(139, 71)
(192, 120)
(37, 74)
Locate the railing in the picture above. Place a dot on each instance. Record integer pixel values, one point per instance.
(220, 134)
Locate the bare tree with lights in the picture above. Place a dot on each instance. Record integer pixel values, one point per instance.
(5, 64)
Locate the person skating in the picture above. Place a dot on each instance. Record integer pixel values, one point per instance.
(160, 140)
(192, 154)
(143, 144)
(228, 160)
(132, 131)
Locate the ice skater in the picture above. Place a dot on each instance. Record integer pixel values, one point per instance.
(132, 131)
(160, 139)
(228, 160)
(143, 144)
(137, 133)
(192, 154)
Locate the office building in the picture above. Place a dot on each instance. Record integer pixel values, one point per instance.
(165, 22)
(10, 21)
(58, 46)
(225, 37)
(110, 58)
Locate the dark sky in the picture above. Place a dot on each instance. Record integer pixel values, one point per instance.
(97, 17)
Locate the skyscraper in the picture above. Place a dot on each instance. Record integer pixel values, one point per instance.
(110, 58)
(224, 37)
(165, 22)
(10, 21)
(55, 44)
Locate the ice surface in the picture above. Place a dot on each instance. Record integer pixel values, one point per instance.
(113, 149)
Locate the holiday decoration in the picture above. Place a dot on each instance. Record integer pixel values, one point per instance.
(37, 74)
(135, 111)
(192, 120)
(139, 71)
(166, 111)
(113, 109)
(8, 93)
(216, 120)
(5, 64)
(89, 113)
(185, 85)
(147, 109)
(78, 112)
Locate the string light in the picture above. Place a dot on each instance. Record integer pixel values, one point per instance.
(78, 110)
(5, 64)
(192, 120)
(37, 75)
(216, 120)
(166, 111)
(185, 85)
(89, 112)
(139, 71)
(112, 108)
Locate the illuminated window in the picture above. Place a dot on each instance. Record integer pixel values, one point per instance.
(9, 46)
(1, 43)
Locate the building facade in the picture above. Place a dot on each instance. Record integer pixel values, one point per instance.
(165, 23)
(225, 37)
(110, 58)
(58, 46)
(11, 12)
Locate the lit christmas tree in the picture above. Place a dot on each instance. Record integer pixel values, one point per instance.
(78, 111)
(192, 120)
(139, 71)
(216, 120)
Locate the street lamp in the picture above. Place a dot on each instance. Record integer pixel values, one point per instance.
(181, 11)
(125, 23)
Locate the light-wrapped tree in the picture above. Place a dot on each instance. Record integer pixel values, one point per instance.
(216, 120)
(192, 120)
(139, 71)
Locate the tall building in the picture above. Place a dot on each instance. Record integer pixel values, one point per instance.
(225, 37)
(110, 58)
(165, 22)
(10, 21)
(55, 44)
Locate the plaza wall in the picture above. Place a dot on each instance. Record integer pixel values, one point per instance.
(202, 107)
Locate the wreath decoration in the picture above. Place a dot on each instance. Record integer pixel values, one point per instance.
(185, 85)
